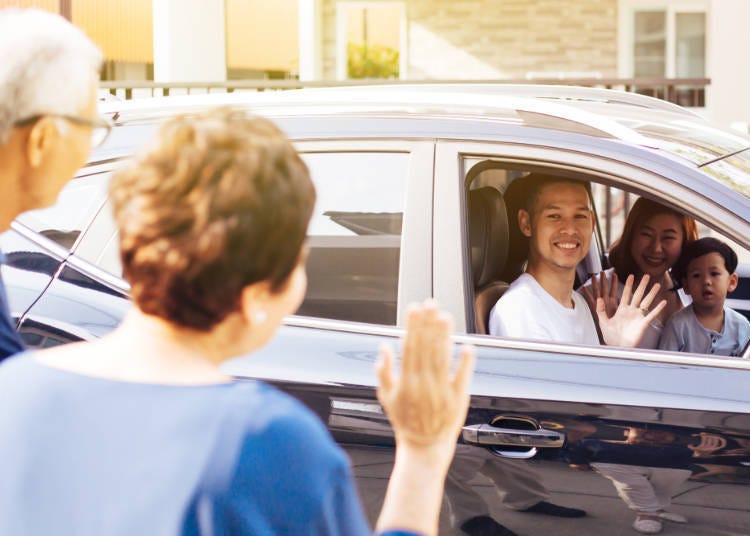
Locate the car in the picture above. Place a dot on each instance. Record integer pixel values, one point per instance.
(411, 185)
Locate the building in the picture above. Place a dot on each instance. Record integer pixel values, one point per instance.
(210, 40)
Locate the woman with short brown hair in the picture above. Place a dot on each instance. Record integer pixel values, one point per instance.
(141, 432)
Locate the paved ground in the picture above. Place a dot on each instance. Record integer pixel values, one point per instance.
(713, 509)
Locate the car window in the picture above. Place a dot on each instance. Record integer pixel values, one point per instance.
(77, 203)
(491, 199)
(354, 236)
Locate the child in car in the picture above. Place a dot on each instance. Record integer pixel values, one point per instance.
(706, 270)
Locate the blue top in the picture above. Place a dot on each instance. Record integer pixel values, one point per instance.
(683, 332)
(82, 455)
(10, 340)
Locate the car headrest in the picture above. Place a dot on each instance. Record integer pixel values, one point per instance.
(488, 235)
(518, 243)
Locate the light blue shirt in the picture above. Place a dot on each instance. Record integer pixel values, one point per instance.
(91, 456)
(684, 333)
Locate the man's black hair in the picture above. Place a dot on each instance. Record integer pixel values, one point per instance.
(700, 247)
(533, 184)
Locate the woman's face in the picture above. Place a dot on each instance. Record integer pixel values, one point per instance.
(657, 244)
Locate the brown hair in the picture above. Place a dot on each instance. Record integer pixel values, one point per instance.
(620, 256)
(221, 200)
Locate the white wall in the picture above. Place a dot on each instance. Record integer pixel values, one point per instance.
(189, 41)
(728, 42)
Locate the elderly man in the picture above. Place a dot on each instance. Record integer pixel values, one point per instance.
(48, 121)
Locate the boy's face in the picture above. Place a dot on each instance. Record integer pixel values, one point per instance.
(708, 282)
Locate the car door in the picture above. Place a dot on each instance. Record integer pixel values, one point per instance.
(577, 425)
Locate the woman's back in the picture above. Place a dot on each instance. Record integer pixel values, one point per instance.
(90, 455)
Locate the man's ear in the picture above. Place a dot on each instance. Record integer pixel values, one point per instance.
(524, 222)
(734, 280)
(41, 137)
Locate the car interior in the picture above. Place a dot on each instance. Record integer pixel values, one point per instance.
(498, 248)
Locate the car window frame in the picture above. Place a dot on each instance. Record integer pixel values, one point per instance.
(415, 282)
(452, 261)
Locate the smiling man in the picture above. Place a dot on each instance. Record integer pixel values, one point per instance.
(540, 304)
(49, 77)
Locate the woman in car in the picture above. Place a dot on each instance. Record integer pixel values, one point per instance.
(651, 242)
(141, 432)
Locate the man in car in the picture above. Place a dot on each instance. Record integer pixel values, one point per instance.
(49, 77)
(540, 304)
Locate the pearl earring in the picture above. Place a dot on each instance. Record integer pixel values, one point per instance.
(260, 316)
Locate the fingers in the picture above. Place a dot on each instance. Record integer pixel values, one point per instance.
(650, 297)
(613, 287)
(595, 286)
(604, 284)
(465, 369)
(384, 367)
(640, 291)
(653, 313)
(627, 291)
(411, 354)
(601, 310)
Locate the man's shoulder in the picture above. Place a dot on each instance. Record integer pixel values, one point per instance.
(524, 288)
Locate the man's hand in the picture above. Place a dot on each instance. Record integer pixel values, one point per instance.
(632, 316)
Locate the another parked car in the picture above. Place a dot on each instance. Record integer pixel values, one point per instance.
(401, 174)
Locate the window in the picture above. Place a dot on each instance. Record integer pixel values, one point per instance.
(498, 251)
(664, 39)
(355, 236)
(63, 222)
(371, 39)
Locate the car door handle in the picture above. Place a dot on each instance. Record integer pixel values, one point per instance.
(492, 436)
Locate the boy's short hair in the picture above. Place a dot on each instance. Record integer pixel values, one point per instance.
(700, 247)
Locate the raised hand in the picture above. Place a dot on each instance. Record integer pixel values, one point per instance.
(606, 290)
(426, 404)
(632, 316)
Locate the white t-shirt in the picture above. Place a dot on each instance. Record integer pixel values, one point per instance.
(527, 311)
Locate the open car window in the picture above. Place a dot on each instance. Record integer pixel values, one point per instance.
(498, 251)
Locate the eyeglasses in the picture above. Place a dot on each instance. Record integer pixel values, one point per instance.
(99, 126)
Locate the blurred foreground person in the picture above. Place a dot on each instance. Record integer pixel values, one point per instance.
(140, 432)
(49, 76)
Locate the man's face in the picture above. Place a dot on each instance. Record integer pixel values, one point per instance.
(560, 226)
(54, 160)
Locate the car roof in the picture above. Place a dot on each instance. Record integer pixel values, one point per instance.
(628, 117)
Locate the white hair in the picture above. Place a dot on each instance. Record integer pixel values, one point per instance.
(47, 66)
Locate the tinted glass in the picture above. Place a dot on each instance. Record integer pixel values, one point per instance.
(355, 236)
(76, 205)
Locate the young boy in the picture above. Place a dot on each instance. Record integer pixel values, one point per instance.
(706, 269)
